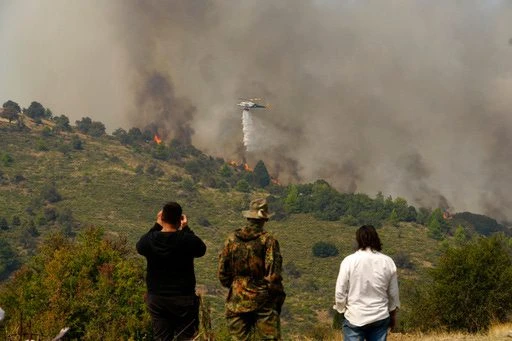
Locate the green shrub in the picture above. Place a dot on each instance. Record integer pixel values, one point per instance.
(153, 169)
(243, 186)
(139, 170)
(46, 132)
(17, 179)
(31, 228)
(203, 221)
(325, 249)
(6, 159)
(188, 185)
(469, 289)
(91, 284)
(4, 225)
(161, 152)
(15, 221)
(76, 143)
(349, 220)
(64, 148)
(49, 194)
(291, 270)
(403, 261)
(42, 146)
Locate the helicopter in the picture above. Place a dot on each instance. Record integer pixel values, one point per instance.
(250, 103)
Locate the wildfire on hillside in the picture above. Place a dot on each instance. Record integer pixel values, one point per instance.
(240, 166)
(244, 166)
(275, 181)
(157, 139)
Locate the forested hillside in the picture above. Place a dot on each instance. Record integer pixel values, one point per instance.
(74, 200)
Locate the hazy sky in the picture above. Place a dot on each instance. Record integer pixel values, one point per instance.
(408, 97)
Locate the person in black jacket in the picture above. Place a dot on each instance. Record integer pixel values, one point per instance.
(170, 247)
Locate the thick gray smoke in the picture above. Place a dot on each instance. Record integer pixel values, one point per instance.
(407, 97)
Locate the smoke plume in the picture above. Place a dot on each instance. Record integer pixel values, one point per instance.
(407, 97)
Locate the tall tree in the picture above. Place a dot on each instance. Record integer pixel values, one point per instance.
(291, 202)
(437, 225)
(35, 111)
(84, 124)
(261, 176)
(90, 127)
(62, 123)
(11, 111)
(13, 106)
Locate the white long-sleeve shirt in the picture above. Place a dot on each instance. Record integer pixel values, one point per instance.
(367, 287)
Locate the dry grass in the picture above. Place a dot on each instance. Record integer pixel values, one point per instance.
(496, 333)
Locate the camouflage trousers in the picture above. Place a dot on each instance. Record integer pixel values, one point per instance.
(261, 324)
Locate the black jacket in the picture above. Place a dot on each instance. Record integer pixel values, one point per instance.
(170, 260)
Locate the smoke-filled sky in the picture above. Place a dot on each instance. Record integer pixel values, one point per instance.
(409, 97)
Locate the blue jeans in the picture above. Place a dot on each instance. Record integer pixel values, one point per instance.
(376, 331)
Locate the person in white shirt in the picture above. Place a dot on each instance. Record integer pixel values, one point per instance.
(367, 290)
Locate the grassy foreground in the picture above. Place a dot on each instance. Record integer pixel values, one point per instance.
(496, 333)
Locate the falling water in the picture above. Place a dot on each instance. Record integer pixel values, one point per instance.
(248, 130)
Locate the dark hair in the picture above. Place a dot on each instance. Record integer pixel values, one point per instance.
(171, 213)
(367, 236)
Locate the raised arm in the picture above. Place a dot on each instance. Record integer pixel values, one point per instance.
(143, 243)
(195, 245)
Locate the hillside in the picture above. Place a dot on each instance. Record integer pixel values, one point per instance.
(54, 180)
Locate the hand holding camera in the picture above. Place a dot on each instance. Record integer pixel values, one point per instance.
(184, 221)
(159, 218)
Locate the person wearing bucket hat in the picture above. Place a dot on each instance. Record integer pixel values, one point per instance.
(250, 266)
(258, 209)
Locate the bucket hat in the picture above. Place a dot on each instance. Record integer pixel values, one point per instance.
(258, 209)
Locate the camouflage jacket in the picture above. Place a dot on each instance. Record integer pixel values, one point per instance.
(250, 266)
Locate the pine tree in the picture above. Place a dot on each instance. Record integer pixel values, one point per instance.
(393, 218)
(261, 176)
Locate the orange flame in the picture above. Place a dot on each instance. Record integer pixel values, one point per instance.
(157, 139)
(240, 166)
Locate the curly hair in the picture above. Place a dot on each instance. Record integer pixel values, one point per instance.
(367, 236)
